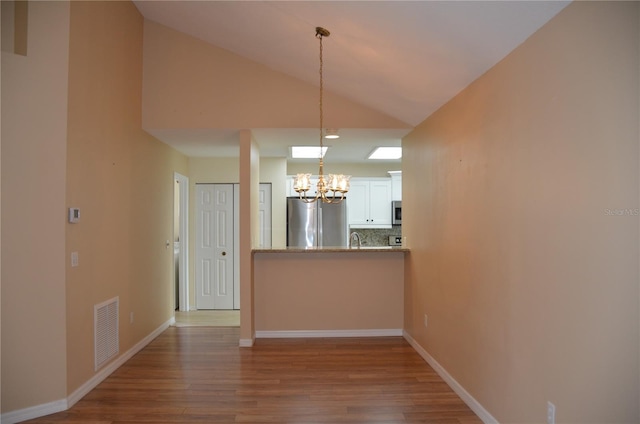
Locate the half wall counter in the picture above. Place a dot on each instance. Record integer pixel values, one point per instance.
(328, 292)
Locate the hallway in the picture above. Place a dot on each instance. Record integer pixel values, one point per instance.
(208, 318)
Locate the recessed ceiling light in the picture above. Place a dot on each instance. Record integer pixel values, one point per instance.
(307, 152)
(331, 133)
(386, 153)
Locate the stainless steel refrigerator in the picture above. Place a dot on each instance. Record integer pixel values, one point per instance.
(316, 224)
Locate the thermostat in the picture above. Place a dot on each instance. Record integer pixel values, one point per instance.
(74, 215)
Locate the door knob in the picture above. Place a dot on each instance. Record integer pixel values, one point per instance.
(224, 253)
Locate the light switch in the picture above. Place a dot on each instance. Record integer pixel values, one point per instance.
(74, 215)
(74, 258)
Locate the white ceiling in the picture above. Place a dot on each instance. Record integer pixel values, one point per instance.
(402, 58)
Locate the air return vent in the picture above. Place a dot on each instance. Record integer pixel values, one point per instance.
(105, 323)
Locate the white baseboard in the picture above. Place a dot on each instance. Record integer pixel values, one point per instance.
(475, 406)
(64, 404)
(246, 342)
(328, 333)
(34, 412)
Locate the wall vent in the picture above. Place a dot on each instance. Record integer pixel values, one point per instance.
(105, 330)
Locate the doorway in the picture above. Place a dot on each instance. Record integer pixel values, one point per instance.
(180, 241)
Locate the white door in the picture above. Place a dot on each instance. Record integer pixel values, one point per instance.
(214, 246)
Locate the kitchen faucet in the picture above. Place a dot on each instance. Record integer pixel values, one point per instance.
(357, 237)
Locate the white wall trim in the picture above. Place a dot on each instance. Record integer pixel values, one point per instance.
(328, 333)
(471, 402)
(64, 404)
(246, 342)
(34, 412)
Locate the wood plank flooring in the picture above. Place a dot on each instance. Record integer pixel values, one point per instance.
(208, 318)
(200, 375)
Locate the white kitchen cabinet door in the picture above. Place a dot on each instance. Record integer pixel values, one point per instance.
(358, 203)
(369, 203)
(380, 202)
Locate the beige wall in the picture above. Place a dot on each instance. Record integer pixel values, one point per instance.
(528, 275)
(192, 84)
(121, 178)
(213, 170)
(34, 132)
(328, 291)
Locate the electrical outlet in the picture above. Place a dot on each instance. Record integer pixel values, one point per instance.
(425, 320)
(551, 413)
(74, 259)
(131, 318)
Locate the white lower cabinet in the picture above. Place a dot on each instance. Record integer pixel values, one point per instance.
(369, 203)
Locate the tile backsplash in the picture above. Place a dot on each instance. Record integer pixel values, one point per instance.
(377, 236)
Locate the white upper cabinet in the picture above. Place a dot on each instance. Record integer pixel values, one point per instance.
(369, 203)
(396, 185)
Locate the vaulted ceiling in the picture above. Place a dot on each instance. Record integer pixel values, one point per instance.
(402, 58)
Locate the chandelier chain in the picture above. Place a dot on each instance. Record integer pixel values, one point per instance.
(333, 189)
(319, 35)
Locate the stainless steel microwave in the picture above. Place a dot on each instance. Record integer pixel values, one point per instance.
(396, 212)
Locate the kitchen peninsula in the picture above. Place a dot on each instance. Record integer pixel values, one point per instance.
(328, 291)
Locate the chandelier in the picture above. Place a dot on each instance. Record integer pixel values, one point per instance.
(330, 189)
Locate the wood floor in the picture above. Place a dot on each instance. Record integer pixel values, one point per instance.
(208, 318)
(200, 375)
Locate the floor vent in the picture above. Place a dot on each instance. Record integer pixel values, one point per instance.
(105, 322)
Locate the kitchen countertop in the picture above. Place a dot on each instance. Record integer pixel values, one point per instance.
(363, 249)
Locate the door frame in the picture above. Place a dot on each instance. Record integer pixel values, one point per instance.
(183, 235)
(236, 246)
(208, 250)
